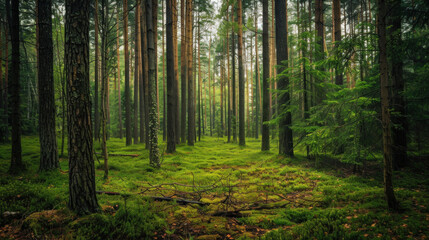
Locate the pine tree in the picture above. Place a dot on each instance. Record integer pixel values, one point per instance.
(82, 198)
(48, 140)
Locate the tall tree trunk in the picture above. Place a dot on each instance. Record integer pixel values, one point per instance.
(242, 120)
(399, 121)
(234, 101)
(96, 77)
(145, 77)
(2, 109)
(48, 140)
(337, 32)
(320, 43)
(176, 75)
(266, 75)
(164, 99)
(153, 116)
(16, 164)
(210, 94)
(118, 74)
(258, 78)
(171, 142)
(191, 109)
(128, 135)
(285, 133)
(137, 73)
(199, 77)
(229, 83)
(141, 75)
(83, 199)
(104, 84)
(183, 65)
(385, 113)
(6, 79)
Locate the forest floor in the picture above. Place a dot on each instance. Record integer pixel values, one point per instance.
(240, 192)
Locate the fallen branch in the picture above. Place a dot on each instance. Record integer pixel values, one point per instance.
(168, 199)
(120, 155)
(178, 200)
(107, 193)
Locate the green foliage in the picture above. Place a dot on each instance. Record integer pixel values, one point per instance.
(134, 220)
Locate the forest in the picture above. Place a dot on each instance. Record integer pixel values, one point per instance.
(214, 119)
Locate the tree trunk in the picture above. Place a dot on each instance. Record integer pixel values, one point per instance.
(153, 113)
(285, 133)
(128, 135)
(395, 54)
(16, 164)
(104, 84)
(385, 113)
(241, 98)
(137, 73)
(176, 76)
(171, 142)
(229, 84)
(141, 100)
(83, 199)
(118, 75)
(164, 97)
(2, 109)
(48, 140)
(191, 109)
(183, 71)
(266, 74)
(257, 76)
(199, 77)
(145, 77)
(337, 32)
(6, 79)
(96, 77)
(234, 101)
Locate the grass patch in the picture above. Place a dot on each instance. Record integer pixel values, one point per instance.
(250, 194)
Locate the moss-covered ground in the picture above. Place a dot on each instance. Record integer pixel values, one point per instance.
(245, 193)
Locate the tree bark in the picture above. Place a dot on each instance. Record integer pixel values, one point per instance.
(48, 140)
(285, 133)
(83, 198)
(191, 108)
(176, 75)
(96, 77)
(233, 93)
(266, 75)
(385, 113)
(258, 78)
(145, 76)
(395, 55)
(171, 142)
(118, 75)
(183, 71)
(199, 76)
(137, 74)
(241, 87)
(16, 164)
(337, 32)
(164, 97)
(229, 83)
(153, 113)
(128, 135)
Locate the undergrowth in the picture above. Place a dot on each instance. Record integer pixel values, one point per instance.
(248, 194)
